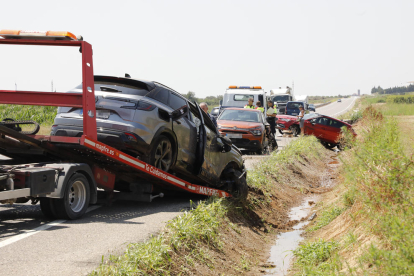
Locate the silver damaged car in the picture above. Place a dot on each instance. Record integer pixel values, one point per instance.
(156, 124)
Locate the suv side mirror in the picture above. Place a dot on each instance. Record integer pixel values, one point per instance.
(179, 113)
(226, 143)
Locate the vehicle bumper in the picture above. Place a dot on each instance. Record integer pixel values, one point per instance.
(124, 141)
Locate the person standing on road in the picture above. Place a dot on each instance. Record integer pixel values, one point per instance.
(271, 117)
(259, 106)
(250, 104)
(300, 119)
(204, 107)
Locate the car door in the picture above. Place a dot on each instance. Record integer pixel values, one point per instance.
(209, 157)
(186, 132)
(309, 126)
(317, 127)
(333, 130)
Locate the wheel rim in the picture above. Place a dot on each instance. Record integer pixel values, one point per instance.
(163, 155)
(293, 130)
(77, 196)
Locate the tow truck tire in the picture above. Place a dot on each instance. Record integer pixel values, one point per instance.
(47, 207)
(240, 189)
(75, 199)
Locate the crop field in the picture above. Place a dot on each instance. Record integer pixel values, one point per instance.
(43, 115)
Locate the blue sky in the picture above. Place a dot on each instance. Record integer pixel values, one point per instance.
(324, 47)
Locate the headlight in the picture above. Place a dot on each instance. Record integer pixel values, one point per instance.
(256, 131)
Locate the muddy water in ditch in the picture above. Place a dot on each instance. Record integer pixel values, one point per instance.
(281, 253)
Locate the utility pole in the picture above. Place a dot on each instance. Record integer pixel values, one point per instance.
(15, 86)
(52, 86)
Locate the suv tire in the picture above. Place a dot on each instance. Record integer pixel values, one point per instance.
(161, 154)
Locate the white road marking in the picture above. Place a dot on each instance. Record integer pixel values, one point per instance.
(343, 111)
(29, 233)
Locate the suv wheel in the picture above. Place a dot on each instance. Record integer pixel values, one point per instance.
(239, 190)
(161, 154)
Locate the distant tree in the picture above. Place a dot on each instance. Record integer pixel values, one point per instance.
(190, 96)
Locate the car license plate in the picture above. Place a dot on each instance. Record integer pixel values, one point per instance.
(235, 136)
(294, 113)
(102, 114)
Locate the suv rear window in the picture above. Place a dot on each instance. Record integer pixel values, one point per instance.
(176, 101)
(112, 87)
(294, 105)
(159, 94)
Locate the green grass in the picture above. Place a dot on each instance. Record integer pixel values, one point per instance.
(379, 176)
(196, 232)
(306, 148)
(44, 115)
(326, 217)
(395, 109)
(186, 232)
(391, 105)
(312, 258)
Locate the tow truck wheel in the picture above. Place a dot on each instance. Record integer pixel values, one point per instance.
(75, 199)
(239, 190)
(47, 207)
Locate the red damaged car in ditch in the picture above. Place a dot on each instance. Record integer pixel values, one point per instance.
(327, 129)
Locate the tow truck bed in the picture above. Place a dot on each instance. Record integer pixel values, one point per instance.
(56, 169)
(97, 155)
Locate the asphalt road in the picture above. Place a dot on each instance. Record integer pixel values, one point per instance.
(336, 109)
(32, 245)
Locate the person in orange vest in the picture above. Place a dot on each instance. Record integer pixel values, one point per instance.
(259, 106)
(250, 104)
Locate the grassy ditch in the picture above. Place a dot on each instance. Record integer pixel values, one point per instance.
(373, 232)
(222, 237)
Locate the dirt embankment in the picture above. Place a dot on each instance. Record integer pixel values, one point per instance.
(249, 230)
(223, 237)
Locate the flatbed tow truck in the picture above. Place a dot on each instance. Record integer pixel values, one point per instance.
(65, 173)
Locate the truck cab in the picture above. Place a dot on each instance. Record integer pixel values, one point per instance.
(237, 96)
(280, 97)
